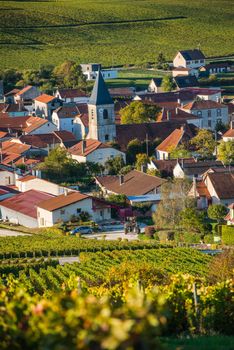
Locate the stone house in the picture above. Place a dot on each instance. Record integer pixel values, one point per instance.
(44, 105)
(189, 59)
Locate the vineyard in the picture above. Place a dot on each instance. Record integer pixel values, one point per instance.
(149, 266)
(51, 245)
(49, 32)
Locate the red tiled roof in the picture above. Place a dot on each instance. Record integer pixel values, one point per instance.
(176, 114)
(203, 91)
(3, 134)
(135, 183)
(172, 141)
(62, 201)
(26, 203)
(202, 189)
(45, 98)
(223, 184)
(40, 140)
(90, 146)
(71, 93)
(34, 123)
(27, 178)
(14, 147)
(85, 119)
(203, 104)
(9, 158)
(68, 111)
(65, 135)
(25, 89)
(229, 133)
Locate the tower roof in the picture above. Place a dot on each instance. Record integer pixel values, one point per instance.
(100, 94)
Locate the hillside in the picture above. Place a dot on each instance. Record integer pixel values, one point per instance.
(110, 31)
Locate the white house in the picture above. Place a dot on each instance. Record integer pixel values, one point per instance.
(155, 85)
(64, 116)
(211, 112)
(94, 151)
(229, 135)
(22, 208)
(8, 176)
(72, 95)
(170, 143)
(189, 59)
(63, 207)
(44, 105)
(30, 182)
(182, 71)
(230, 216)
(37, 125)
(220, 186)
(91, 70)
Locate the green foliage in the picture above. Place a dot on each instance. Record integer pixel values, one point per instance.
(160, 60)
(69, 75)
(217, 212)
(141, 160)
(228, 235)
(138, 112)
(204, 143)
(168, 83)
(119, 199)
(226, 152)
(114, 165)
(180, 152)
(192, 220)
(221, 267)
(134, 147)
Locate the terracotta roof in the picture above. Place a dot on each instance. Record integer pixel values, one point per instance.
(127, 132)
(14, 147)
(122, 91)
(71, 93)
(176, 114)
(27, 178)
(40, 140)
(202, 190)
(16, 123)
(229, 133)
(223, 184)
(9, 158)
(3, 134)
(26, 203)
(135, 183)
(204, 104)
(172, 141)
(45, 98)
(25, 89)
(168, 105)
(14, 107)
(12, 92)
(203, 91)
(85, 119)
(166, 166)
(90, 146)
(34, 123)
(82, 108)
(65, 135)
(62, 201)
(67, 111)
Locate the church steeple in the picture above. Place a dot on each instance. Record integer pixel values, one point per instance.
(100, 94)
(101, 112)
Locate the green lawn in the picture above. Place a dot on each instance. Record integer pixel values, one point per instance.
(40, 32)
(200, 343)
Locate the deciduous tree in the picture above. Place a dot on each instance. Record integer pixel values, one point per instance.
(138, 112)
(204, 143)
(217, 212)
(226, 152)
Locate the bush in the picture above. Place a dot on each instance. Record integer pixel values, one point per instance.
(209, 239)
(228, 235)
(150, 231)
(166, 235)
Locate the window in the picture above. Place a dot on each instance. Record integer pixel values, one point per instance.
(209, 123)
(105, 113)
(62, 211)
(78, 210)
(101, 213)
(209, 113)
(72, 121)
(199, 113)
(42, 221)
(48, 124)
(218, 112)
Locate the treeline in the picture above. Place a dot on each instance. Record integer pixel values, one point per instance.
(46, 77)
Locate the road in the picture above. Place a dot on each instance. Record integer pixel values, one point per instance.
(9, 233)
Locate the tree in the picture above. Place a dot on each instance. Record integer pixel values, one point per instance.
(226, 152)
(174, 199)
(141, 160)
(153, 172)
(138, 112)
(114, 165)
(220, 127)
(180, 152)
(168, 83)
(217, 212)
(192, 220)
(119, 199)
(133, 148)
(160, 60)
(10, 78)
(69, 75)
(204, 143)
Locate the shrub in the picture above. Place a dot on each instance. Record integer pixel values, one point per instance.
(228, 235)
(209, 238)
(150, 231)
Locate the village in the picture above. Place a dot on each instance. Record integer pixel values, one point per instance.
(119, 155)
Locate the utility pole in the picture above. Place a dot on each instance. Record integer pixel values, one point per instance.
(147, 145)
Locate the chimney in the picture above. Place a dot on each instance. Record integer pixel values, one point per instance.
(121, 179)
(179, 101)
(83, 146)
(65, 191)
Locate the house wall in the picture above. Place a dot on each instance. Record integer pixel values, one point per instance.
(80, 131)
(46, 109)
(215, 97)
(153, 88)
(226, 139)
(107, 74)
(214, 196)
(7, 178)
(17, 218)
(47, 128)
(209, 121)
(179, 61)
(28, 95)
(48, 219)
(162, 155)
(40, 185)
(63, 123)
(100, 156)
(178, 172)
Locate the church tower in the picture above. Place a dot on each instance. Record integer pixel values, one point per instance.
(101, 113)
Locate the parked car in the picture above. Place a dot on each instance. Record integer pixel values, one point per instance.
(82, 230)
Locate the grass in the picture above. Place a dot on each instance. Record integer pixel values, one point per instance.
(48, 32)
(200, 343)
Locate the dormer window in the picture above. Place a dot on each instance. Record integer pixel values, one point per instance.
(105, 114)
